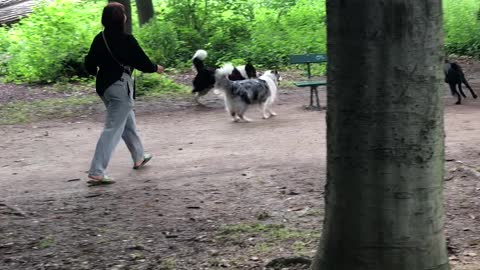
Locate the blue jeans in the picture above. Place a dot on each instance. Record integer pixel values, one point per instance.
(119, 124)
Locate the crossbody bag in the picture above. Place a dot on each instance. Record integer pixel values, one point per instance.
(126, 69)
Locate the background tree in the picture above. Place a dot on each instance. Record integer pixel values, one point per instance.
(384, 202)
(145, 11)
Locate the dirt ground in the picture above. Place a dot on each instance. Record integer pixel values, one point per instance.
(217, 195)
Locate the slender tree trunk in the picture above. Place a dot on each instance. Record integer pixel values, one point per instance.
(145, 11)
(384, 193)
(128, 9)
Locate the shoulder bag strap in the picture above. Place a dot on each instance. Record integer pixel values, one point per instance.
(122, 65)
(108, 49)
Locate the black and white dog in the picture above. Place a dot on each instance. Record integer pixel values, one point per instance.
(238, 95)
(454, 76)
(204, 81)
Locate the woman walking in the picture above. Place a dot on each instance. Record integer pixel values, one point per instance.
(112, 57)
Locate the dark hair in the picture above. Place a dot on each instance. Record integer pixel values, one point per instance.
(113, 17)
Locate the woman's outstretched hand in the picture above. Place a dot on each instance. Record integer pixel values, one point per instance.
(160, 69)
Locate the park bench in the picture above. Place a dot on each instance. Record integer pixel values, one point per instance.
(313, 84)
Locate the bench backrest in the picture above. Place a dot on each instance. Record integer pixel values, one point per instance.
(308, 59)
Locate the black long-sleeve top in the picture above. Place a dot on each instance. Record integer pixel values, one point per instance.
(126, 50)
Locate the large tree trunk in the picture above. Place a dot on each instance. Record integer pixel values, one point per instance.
(145, 11)
(128, 9)
(384, 198)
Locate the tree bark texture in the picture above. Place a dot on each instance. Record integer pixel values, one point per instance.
(385, 135)
(12, 11)
(145, 11)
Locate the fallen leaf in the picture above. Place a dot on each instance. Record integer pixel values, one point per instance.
(470, 254)
(453, 258)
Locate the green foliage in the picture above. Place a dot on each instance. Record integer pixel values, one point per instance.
(152, 84)
(275, 35)
(227, 37)
(159, 41)
(213, 25)
(4, 39)
(51, 42)
(4, 44)
(462, 27)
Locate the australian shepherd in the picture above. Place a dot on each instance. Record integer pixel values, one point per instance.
(239, 95)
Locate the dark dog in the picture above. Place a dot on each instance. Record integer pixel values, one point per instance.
(454, 76)
(204, 81)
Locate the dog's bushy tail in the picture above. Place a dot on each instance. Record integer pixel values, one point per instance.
(221, 77)
(198, 58)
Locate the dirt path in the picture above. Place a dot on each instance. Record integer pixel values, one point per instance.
(217, 195)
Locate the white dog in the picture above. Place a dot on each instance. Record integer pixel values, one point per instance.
(239, 95)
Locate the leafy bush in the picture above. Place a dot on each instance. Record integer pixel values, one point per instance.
(4, 44)
(50, 44)
(462, 27)
(52, 41)
(152, 84)
(230, 31)
(159, 41)
(217, 26)
(275, 35)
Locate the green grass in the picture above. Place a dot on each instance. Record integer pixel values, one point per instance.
(168, 264)
(250, 228)
(303, 248)
(148, 85)
(268, 231)
(46, 242)
(268, 237)
(154, 85)
(25, 112)
(313, 213)
(80, 86)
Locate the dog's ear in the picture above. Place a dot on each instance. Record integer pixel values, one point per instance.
(277, 75)
(250, 70)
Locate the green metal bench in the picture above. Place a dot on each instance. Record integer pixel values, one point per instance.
(313, 84)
